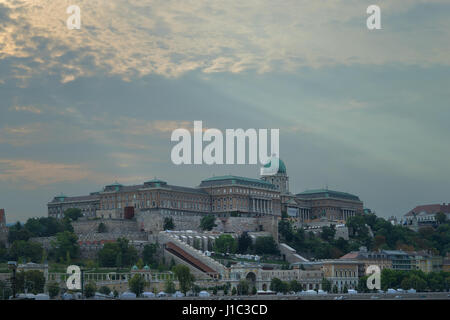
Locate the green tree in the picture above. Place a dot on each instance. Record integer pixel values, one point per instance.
(110, 255)
(26, 250)
(328, 233)
(137, 284)
(43, 226)
(129, 253)
(104, 290)
(225, 243)
(73, 214)
(3, 252)
(170, 286)
(389, 279)
(285, 230)
(30, 281)
(208, 222)
(326, 285)
(172, 264)
(245, 243)
(90, 289)
(101, 228)
(149, 254)
(243, 287)
(118, 254)
(414, 281)
(184, 276)
(140, 264)
(254, 291)
(357, 226)
(362, 284)
(53, 289)
(435, 281)
(168, 223)
(66, 242)
(105, 258)
(266, 245)
(18, 232)
(345, 290)
(441, 218)
(226, 288)
(234, 291)
(295, 286)
(278, 286)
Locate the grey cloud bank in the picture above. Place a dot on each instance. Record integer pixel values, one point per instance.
(357, 111)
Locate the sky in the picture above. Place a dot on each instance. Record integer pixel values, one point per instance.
(360, 111)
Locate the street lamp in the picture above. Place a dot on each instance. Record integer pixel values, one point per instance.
(12, 265)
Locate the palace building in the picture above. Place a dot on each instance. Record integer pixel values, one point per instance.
(89, 205)
(222, 195)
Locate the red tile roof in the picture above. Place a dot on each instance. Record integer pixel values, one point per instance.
(350, 255)
(430, 209)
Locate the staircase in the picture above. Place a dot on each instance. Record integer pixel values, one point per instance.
(190, 255)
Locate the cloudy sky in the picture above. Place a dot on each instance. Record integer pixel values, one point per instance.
(360, 111)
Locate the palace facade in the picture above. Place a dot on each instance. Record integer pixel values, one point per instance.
(222, 196)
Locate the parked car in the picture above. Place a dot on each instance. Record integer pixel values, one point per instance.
(148, 295)
(100, 296)
(310, 292)
(390, 290)
(127, 296)
(204, 294)
(42, 296)
(26, 296)
(67, 296)
(161, 294)
(352, 291)
(178, 294)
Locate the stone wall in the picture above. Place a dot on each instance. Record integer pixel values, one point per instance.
(132, 236)
(153, 223)
(112, 225)
(44, 241)
(341, 232)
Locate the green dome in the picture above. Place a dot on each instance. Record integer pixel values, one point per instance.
(134, 267)
(281, 166)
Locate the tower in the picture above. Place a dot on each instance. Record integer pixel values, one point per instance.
(2, 218)
(280, 179)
